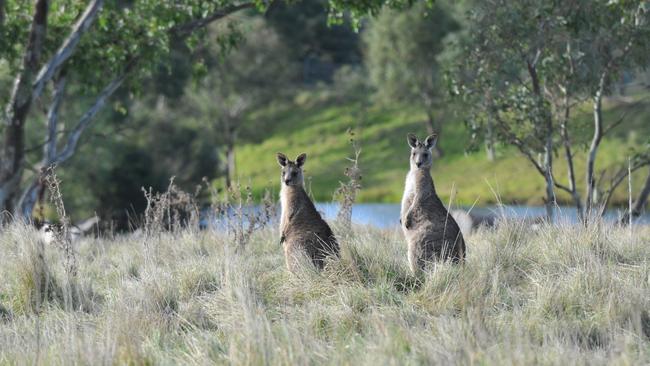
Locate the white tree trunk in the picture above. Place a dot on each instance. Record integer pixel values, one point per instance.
(27, 88)
(640, 202)
(30, 195)
(53, 157)
(593, 151)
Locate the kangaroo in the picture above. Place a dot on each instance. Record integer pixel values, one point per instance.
(302, 229)
(430, 231)
(50, 231)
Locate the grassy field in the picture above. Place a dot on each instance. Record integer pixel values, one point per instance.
(560, 295)
(318, 127)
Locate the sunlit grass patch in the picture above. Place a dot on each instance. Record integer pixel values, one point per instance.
(558, 294)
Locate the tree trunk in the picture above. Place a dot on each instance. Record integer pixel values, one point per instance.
(431, 129)
(548, 146)
(640, 202)
(568, 156)
(51, 156)
(489, 127)
(593, 151)
(230, 132)
(29, 87)
(577, 201)
(548, 176)
(230, 163)
(31, 194)
(12, 155)
(489, 139)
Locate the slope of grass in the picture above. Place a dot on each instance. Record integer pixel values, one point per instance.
(319, 128)
(560, 295)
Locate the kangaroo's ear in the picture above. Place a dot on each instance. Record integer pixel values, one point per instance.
(412, 140)
(282, 159)
(431, 140)
(300, 160)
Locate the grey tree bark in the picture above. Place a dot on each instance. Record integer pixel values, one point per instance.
(28, 86)
(550, 201)
(34, 190)
(51, 156)
(13, 144)
(231, 138)
(489, 140)
(639, 203)
(593, 148)
(489, 128)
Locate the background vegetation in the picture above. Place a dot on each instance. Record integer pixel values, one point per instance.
(221, 101)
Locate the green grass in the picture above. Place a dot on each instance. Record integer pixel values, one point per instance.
(560, 295)
(319, 127)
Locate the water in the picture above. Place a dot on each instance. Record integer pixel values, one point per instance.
(386, 215)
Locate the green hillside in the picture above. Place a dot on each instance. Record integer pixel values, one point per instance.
(319, 129)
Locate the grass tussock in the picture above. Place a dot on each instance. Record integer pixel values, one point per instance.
(559, 295)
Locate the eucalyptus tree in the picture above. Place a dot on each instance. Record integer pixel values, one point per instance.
(100, 46)
(249, 76)
(401, 58)
(639, 203)
(537, 61)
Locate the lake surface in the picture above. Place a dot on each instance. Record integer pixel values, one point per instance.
(386, 215)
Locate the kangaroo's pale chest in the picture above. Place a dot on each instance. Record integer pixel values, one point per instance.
(284, 207)
(409, 191)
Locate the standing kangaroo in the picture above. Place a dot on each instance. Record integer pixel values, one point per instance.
(302, 229)
(431, 232)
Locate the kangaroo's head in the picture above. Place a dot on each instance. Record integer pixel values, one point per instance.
(421, 157)
(291, 171)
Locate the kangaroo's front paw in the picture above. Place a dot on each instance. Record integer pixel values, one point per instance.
(408, 222)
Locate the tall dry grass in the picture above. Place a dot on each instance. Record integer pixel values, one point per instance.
(560, 295)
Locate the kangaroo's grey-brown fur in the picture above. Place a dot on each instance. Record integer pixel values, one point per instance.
(303, 231)
(431, 232)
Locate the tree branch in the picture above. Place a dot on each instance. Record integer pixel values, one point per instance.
(12, 156)
(85, 120)
(598, 126)
(67, 47)
(49, 149)
(640, 201)
(185, 29)
(514, 140)
(621, 119)
(619, 177)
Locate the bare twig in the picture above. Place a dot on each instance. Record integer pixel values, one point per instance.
(237, 211)
(347, 191)
(61, 235)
